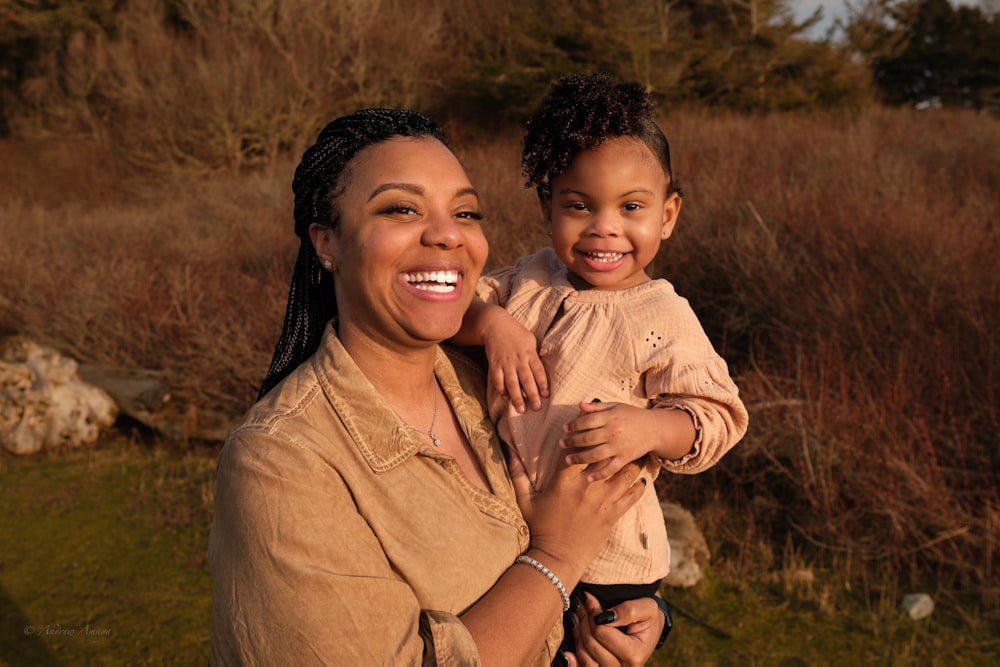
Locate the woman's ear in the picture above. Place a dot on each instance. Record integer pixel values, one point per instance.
(671, 209)
(325, 243)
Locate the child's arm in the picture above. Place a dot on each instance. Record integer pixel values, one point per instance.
(511, 350)
(611, 435)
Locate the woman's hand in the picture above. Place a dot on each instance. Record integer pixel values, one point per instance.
(571, 517)
(606, 644)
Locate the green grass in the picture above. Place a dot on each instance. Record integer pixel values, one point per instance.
(112, 541)
(103, 557)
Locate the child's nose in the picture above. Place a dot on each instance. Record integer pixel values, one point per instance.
(605, 223)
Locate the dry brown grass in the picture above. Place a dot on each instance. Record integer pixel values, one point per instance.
(232, 84)
(844, 266)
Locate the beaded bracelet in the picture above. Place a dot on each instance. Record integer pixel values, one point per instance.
(549, 574)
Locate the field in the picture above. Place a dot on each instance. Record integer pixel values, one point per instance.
(843, 265)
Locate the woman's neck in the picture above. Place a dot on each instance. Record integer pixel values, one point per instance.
(402, 376)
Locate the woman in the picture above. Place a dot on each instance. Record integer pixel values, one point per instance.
(364, 513)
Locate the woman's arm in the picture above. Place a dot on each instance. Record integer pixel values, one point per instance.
(570, 521)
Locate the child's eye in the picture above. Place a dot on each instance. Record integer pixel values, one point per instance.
(577, 206)
(632, 206)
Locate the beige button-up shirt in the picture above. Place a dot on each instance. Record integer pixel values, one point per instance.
(341, 537)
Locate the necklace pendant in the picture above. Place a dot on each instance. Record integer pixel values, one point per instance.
(436, 440)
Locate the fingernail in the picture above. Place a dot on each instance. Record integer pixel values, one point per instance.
(595, 400)
(606, 617)
(643, 480)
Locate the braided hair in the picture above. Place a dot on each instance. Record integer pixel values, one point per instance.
(582, 111)
(320, 179)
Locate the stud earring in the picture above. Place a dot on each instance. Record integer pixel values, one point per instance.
(327, 264)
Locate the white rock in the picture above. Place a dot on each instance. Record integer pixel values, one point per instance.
(918, 605)
(688, 549)
(44, 403)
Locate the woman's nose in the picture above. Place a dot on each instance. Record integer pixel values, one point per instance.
(443, 231)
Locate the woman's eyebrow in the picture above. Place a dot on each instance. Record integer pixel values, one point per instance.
(417, 190)
(408, 187)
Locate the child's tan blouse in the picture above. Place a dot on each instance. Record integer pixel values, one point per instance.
(642, 346)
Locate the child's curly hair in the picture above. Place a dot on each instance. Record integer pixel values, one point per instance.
(582, 111)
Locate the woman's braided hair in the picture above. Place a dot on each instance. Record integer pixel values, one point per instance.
(582, 111)
(320, 179)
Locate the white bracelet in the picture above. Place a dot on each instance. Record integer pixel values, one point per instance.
(549, 574)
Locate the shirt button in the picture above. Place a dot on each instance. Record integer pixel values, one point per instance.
(522, 530)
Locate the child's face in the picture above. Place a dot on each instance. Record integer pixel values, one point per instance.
(608, 213)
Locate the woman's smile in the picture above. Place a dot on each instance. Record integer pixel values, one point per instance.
(438, 282)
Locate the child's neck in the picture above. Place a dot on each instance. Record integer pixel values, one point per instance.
(582, 285)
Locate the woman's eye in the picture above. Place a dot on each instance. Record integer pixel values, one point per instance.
(474, 216)
(398, 209)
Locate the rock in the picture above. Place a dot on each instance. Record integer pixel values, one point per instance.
(918, 605)
(688, 549)
(43, 401)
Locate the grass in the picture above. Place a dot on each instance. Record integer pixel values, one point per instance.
(103, 563)
(103, 557)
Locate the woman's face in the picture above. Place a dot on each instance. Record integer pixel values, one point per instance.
(409, 249)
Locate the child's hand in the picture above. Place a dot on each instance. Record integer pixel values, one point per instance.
(608, 436)
(515, 368)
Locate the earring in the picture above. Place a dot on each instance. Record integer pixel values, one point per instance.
(327, 264)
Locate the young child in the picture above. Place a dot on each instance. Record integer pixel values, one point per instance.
(624, 363)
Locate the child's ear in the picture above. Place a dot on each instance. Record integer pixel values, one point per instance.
(545, 203)
(671, 209)
(325, 243)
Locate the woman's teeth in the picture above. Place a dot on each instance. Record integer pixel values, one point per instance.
(433, 281)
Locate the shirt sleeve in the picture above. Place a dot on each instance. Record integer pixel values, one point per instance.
(707, 393)
(496, 286)
(688, 374)
(298, 575)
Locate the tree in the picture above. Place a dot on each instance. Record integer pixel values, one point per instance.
(928, 51)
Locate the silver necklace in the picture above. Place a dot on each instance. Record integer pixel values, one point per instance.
(430, 432)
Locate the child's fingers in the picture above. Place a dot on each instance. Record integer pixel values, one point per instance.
(532, 393)
(497, 378)
(602, 470)
(513, 391)
(539, 375)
